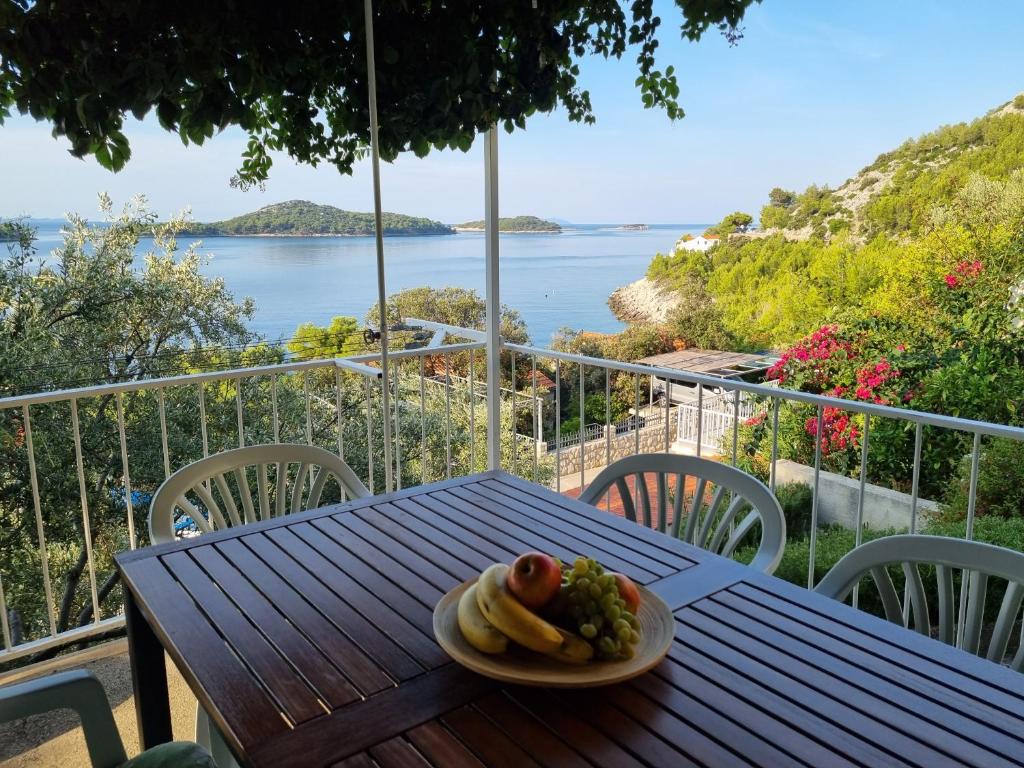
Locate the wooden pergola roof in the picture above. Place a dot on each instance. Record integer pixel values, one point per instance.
(712, 361)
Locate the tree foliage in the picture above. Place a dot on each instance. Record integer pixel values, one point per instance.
(293, 75)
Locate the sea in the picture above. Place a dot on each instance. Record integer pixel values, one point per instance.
(554, 280)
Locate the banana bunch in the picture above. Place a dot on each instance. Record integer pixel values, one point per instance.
(490, 615)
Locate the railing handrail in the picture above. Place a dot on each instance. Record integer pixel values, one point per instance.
(854, 406)
(353, 363)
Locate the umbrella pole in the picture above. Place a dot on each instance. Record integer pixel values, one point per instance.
(379, 231)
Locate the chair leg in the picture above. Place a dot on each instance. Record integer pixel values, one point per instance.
(209, 737)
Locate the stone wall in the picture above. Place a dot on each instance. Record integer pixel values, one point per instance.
(595, 452)
(837, 504)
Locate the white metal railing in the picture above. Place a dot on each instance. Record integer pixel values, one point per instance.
(711, 422)
(293, 402)
(746, 399)
(439, 430)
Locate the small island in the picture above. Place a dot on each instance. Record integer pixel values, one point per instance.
(301, 218)
(513, 224)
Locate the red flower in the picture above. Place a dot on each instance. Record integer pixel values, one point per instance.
(952, 281)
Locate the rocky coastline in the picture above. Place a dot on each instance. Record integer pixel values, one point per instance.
(643, 301)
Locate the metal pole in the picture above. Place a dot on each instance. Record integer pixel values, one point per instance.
(379, 231)
(493, 300)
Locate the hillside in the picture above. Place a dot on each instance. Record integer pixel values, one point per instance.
(894, 194)
(513, 224)
(822, 254)
(300, 218)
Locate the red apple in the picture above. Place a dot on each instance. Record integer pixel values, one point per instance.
(535, 579)
(628, 592)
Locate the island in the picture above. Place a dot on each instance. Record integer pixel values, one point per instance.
(513, 224)
(635, 227)
(301, 218)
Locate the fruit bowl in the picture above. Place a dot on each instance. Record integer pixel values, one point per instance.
(523, 667)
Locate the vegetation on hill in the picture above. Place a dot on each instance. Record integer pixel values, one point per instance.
(302, 218)
(902, 287)
(516, 224)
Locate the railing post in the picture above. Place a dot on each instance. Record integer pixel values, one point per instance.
(493, 300)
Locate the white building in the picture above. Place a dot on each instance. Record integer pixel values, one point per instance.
(699, 243)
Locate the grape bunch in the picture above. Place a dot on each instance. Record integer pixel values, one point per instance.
(597, 611)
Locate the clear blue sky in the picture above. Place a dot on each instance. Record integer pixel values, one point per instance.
(812, 93)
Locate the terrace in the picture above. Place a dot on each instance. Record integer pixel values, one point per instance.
(311, 638)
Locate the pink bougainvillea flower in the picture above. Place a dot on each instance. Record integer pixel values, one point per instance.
(952, 281)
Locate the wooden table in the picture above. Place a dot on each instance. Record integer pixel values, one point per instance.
(308, 640)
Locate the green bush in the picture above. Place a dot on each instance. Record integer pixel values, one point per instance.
(1000, 483)
(796, 500)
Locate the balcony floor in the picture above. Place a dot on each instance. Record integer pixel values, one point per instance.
(55, 738)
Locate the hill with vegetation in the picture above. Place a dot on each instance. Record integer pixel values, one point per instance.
(903, 287)
(300, 218)
(513, 224)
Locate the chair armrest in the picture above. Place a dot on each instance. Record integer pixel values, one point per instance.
(76, 689)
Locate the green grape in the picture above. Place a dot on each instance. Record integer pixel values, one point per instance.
(619, 625)
(583, 583)
(628, 617)
(624, 634)
(581, 566)
(607, 601)
(595, 590)
(634, 636)
(607, 580)
(621, 603)
(590, 606)
(589, 631)
(627, 651)
(607, 646)
(634, 622)
(612, 613)
(592, 563)
(597, 620)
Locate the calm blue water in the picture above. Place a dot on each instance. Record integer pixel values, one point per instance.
(553, 280)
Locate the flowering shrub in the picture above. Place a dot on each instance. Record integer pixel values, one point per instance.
(839, 431)
(814, 360)
(963, 273)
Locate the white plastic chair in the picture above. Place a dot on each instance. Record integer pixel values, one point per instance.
(710, 526)
(79, 690)
(221, 471)
(232, 468)
(979, 563)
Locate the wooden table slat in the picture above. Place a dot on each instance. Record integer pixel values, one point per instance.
(299, 700)
(326, 617)
(606, 546)
(325, 679)
(492, 745)
(916, 691)
(903, 729)
(674, 552)
(393, 658)
(597, 522)
(972, 675)
(249, 716)
(397, 753)
(300, 609)
(440, 747)
(389, 608)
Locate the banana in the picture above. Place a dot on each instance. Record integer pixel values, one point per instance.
(574, 650)
(512, 618)
(478, 632)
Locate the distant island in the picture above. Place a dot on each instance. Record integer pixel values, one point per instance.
(635, 227)
(301, 218)
(513, 224)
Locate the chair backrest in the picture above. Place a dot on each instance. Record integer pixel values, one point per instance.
(192, 488)
(720, 494)
(978, 563)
